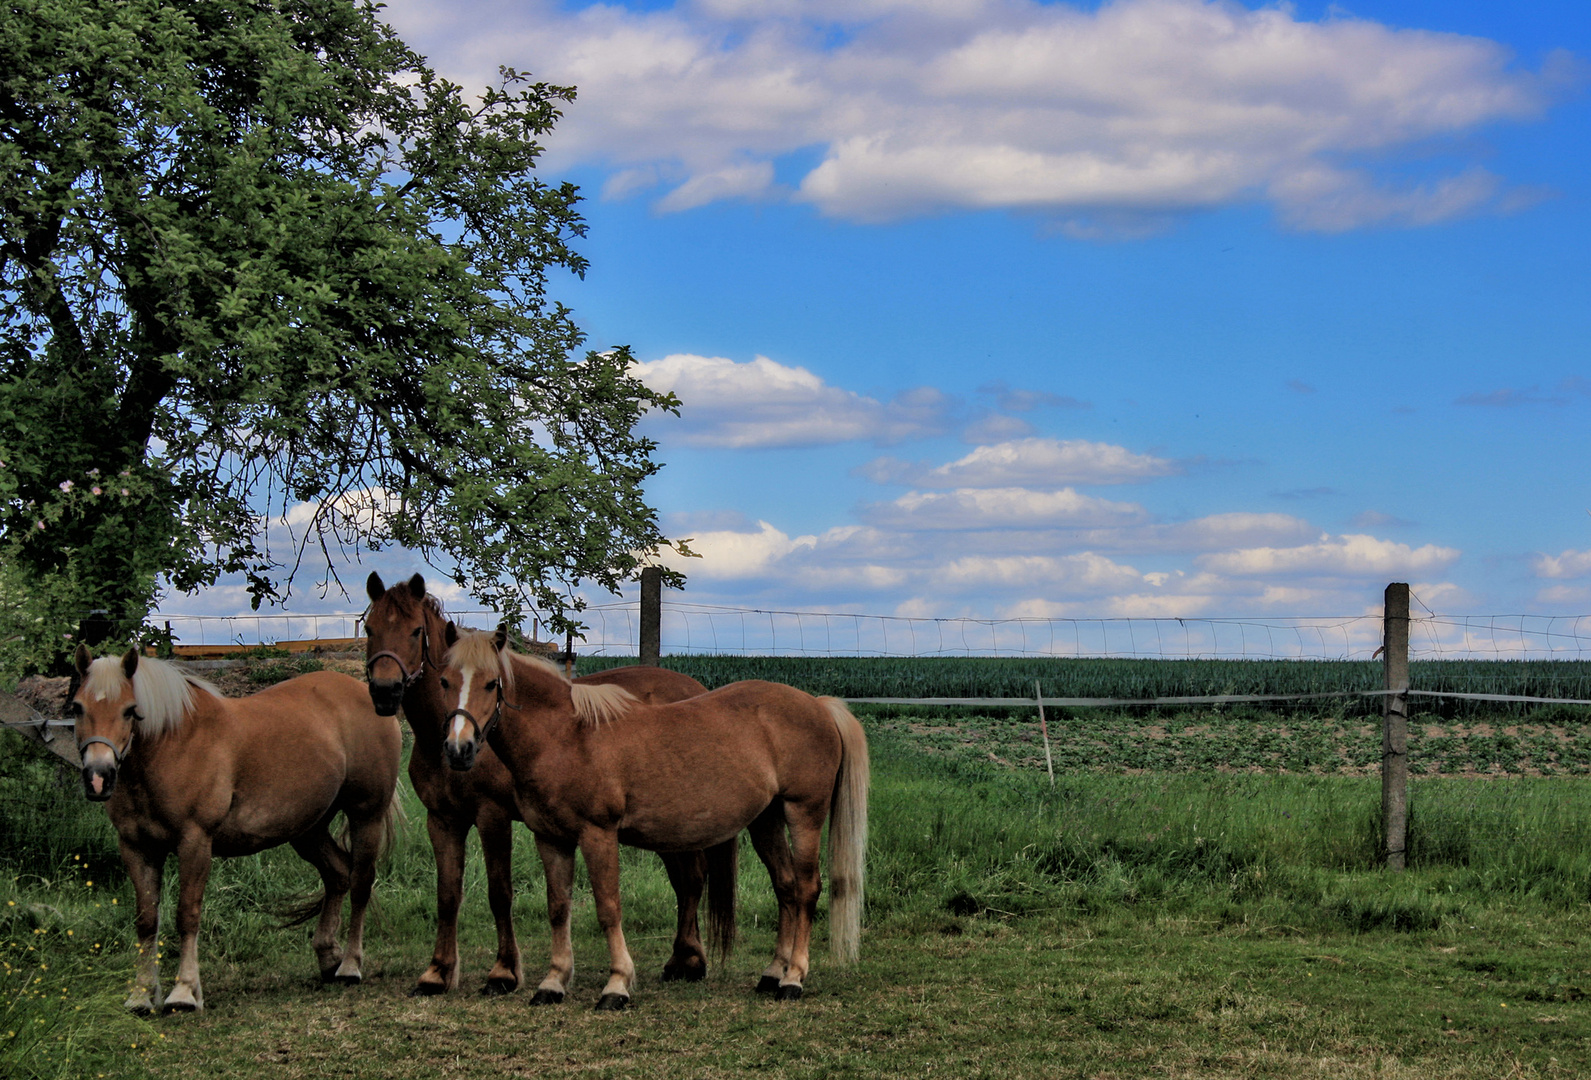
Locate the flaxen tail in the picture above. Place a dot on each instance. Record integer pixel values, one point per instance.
(847, 836)
(723, 866)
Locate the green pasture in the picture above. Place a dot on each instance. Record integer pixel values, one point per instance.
(1203, 911)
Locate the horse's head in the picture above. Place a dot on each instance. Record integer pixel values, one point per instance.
(477, 674)
(105, 713)
(397, 643)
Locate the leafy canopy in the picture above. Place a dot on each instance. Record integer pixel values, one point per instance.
(256, 256)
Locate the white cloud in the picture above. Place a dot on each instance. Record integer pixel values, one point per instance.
(1568, 564)
(1032, 462)
(728, 555)
(1000, 508)
(1332, 556)
(1086, 574)
(764, 403)
(1106, 118)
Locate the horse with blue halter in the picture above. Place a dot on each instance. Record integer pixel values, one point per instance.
(405, 628)
(183, 770)
(591, 775)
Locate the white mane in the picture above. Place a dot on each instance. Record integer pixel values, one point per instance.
(163, 693)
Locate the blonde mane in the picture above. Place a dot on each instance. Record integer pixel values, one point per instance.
(593, 705)
(163, 693)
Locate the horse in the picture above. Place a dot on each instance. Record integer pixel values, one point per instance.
(589, 778)
(401, 625)
(183, 770)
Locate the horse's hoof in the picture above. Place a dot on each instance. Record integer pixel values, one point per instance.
(499, 987)
(684, 972)
(612, 1002)
(767, 985)
(349, 980)
(547, 997)
(180, 1007)
(428, 989)
(792, 992)
(141, 1008)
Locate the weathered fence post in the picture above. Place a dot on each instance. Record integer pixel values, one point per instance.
(1395, 723)
(651, 615)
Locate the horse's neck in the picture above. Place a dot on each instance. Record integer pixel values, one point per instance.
(422, 702)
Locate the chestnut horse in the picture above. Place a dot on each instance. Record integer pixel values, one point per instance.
(405, 629)
(589, 778)
(184, 770)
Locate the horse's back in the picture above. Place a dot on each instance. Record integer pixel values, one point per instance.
(652, 685)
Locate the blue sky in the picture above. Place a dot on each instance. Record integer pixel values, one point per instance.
(1154, 307)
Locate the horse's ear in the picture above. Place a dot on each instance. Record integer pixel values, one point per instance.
(373, 586)
(451, 634)
(129, 662)
(500, 638)
(82, 658)
(417, 586)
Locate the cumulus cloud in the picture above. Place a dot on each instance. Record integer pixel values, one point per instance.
(730, 554)
(1332, 556)
(1000, 508)
(1031, 462)
(1105, 118)
(764, 404)
(1565, 565)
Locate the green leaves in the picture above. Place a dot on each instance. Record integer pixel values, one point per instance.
(262, 256)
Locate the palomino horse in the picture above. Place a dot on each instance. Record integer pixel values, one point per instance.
(591, 778)
(182, 769)
(404, 626)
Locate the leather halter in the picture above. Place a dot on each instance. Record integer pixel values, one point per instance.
(482, 731)
(117, 753)
(409, 679)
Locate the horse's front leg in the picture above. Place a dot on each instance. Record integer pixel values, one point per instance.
(497, 845)
(558, 864)
(145, 869)
(447, 845)
(193, 873)
(601, 849)
(687, 870)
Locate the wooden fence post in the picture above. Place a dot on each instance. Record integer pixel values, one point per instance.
(651, 615)
(1395, 723)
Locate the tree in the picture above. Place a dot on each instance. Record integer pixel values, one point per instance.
(256, 255)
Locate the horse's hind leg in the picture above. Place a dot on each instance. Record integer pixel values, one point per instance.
(317, 848)
(193, 873)
(364, 841)
(145, 870)
(773, 847)
(497, 845)
(687, 870)
(805, 822)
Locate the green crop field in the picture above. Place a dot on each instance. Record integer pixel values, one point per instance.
(1198, 895)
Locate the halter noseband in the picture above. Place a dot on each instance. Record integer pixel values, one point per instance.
(409, 679)
(482, 731)
(117, 753)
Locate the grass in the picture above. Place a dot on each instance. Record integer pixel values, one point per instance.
(1186, 901)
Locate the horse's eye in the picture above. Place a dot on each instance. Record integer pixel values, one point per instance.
(446, 685)
(417, 630)
(131, 713)
(491, 686)
(75, 709)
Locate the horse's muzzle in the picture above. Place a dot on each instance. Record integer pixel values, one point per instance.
(386, 696)
(98, 782)
(461, 755)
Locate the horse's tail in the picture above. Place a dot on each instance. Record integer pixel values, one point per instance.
(723, 866)
(299, 909)
(847, 836)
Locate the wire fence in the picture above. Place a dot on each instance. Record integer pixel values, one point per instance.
(697, 629)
